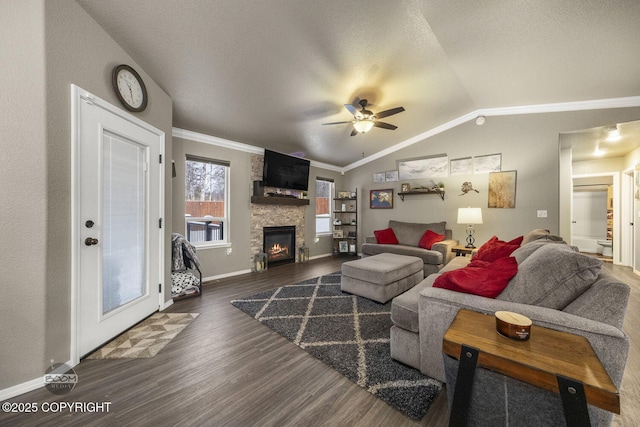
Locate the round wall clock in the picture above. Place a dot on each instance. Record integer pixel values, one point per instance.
(130, 88)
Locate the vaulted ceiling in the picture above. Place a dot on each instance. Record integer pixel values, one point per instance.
(269, 73)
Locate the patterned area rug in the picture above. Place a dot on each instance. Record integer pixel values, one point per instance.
(147, 338)
(347, 332)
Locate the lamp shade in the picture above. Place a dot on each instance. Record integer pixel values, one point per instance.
(363, 125)
(469, 215)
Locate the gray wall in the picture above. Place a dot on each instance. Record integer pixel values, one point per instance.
(215, 261)
(528, 144)
(23, 190)
(47, 46)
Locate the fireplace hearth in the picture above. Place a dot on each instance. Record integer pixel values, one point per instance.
(279, 244)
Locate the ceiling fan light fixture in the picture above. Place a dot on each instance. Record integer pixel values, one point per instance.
(363, 126)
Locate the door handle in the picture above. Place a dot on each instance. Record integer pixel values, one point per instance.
(90, 241)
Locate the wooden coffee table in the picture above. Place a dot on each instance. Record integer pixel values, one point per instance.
(556, 361)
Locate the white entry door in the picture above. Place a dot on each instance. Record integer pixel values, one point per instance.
(117, 221)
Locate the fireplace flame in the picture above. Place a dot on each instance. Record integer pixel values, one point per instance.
(277, 250)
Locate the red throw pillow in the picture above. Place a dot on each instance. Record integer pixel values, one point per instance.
(495, 249)
(487, 281)
(386, 236)
(429, 238)
(516, 241)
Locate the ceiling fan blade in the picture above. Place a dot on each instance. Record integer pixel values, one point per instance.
(337, 123)
(390, 112)
(353, 110)
(354, 132)
(384, 125)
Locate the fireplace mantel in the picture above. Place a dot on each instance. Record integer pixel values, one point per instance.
(292, 201)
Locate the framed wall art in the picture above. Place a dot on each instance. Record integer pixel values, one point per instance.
(381, 199)
(487, 164)
(461, 166)
(502, 189)
(425, 167)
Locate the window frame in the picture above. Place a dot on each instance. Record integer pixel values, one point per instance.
(329, 232)
(225, 241)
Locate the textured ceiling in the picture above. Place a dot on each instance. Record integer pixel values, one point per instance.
(269, 73)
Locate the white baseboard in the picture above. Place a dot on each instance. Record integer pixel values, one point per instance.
(166, 305)
(237, 273)
(26, 387)
(225, 275)
(321, 256)
(19, 389)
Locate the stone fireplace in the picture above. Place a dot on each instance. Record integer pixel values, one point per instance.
(273, 215)
(279, 244)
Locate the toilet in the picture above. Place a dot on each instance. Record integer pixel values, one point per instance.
(607, 247)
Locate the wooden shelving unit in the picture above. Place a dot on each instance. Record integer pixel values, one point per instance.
(345, 234)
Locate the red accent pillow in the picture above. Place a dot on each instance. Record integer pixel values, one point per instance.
(429, 238)
(516, 241)
(386, 236)
(495, 249)
(487, 281)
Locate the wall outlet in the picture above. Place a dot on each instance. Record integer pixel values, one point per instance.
(229, 251)
(542, 214)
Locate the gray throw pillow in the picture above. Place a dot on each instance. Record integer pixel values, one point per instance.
(552, 276)
(525, 251)
(540, 233)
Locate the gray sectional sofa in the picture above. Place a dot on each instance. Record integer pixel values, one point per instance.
(555, 286)
(409, 235)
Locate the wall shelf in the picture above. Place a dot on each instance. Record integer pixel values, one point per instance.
(409, 193)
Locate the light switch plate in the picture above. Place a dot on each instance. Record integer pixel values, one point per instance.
(542, 214)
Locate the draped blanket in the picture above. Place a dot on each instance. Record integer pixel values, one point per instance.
(183, 253)
(184, 258)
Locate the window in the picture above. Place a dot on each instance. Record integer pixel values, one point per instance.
(206, 201)
(324, 190)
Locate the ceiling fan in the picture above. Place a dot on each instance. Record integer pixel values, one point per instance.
(364, 120)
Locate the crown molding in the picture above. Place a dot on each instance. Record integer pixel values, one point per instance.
(214, 140)
(559, 107)
(597, 104)
(238, 146)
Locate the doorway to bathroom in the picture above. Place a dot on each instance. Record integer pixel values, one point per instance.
(593, 219)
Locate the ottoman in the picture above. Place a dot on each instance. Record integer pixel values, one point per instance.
(381, 277)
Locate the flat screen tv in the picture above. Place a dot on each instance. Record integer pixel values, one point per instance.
(284, 171)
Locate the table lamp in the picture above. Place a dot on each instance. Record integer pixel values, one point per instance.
(470, 216)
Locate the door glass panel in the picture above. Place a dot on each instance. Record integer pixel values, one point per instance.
(123, 219)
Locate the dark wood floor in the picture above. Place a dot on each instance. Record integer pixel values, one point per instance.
(226, 369)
